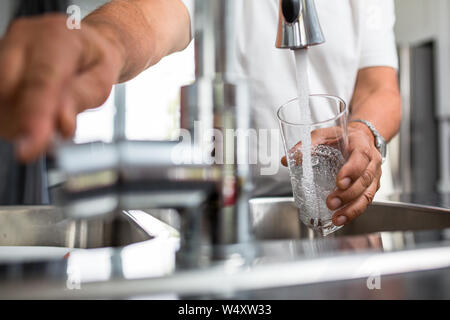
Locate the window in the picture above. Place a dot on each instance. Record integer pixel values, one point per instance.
(152, 103)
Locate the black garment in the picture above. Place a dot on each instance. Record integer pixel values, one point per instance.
(21, 184)
(26, 184)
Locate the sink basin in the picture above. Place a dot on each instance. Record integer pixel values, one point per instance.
(271, 219)
(40, 226)
(284, 257)
(277, 218)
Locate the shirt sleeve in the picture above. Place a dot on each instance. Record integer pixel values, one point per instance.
(378, 39)
(190, 7)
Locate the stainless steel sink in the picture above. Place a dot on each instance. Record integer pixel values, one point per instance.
(277, 218)
(47, 227)
(287, 255)
(272, 219)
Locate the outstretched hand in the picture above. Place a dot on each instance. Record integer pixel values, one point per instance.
(48, 75)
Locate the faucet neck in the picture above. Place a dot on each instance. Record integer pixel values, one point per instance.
(299, 26)
(214, 37)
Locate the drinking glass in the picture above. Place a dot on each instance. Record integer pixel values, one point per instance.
(313, 175)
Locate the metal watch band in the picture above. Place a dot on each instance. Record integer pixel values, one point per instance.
(380, 142)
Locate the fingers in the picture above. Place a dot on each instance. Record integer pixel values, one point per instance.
(370, 175)
(12, 57)
(87, 90)
(357, 181)
(35, 66)
(36, 110)
(12, 60)
(48, 75)
(356, 207)
(39, 130)
(332, 136)
(294, 154)
(67, 117)
(328, 136)
(40, 96)
(359, 159)
(284, 161)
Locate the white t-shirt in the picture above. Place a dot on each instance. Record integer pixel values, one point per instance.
(358, 33)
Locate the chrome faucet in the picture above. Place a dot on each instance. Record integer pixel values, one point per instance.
(219, 101)
(211, 196)
(299, 26)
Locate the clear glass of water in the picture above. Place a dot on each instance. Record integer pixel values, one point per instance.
(316, 149)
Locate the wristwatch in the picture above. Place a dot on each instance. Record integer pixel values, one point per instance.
(380, 143)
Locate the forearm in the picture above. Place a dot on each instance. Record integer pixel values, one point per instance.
(143, 31)
(377, 100)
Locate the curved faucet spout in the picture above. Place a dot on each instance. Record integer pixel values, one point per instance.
(299, 26)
